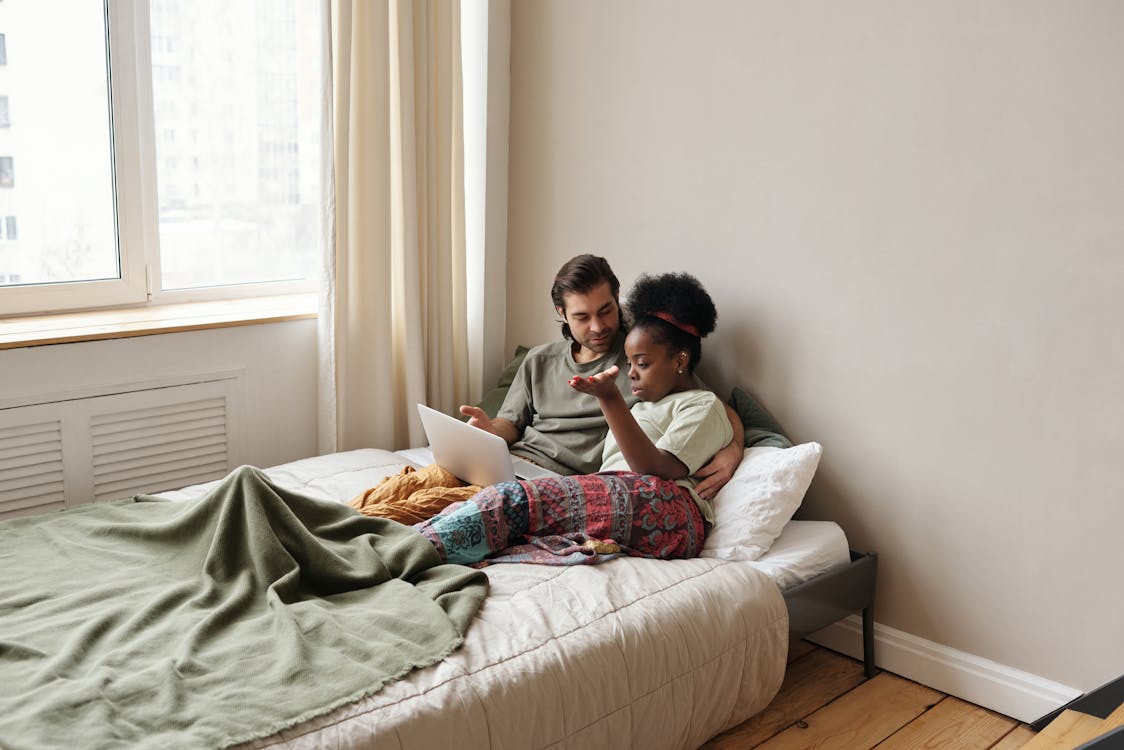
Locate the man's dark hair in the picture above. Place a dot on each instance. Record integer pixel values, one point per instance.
(579, 275)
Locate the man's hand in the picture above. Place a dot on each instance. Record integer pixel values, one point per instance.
(601, 385)
(479, 418)
(718, 471)
(721, 468)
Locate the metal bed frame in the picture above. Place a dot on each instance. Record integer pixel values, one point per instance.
(833, 595)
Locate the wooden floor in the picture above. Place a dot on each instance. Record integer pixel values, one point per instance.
(826, 702)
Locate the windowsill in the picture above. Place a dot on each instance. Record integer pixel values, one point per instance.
(65, 328)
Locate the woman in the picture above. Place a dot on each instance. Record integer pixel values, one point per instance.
(642, 502)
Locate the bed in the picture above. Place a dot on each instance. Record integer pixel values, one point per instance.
(632, 652)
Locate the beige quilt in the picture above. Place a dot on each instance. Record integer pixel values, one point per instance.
(631, 653)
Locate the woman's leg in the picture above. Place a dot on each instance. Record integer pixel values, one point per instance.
(651, 517)
(666, 520)
(493, 519)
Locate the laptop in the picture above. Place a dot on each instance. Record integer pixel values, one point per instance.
(471, 454)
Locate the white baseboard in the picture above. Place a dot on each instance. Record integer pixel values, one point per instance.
(1009, 691)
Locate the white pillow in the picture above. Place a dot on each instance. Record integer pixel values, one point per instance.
(766, 489)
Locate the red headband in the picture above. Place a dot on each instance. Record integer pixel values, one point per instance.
(685, 327)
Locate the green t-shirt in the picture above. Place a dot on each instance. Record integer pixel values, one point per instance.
(690, 425)
(562, 429)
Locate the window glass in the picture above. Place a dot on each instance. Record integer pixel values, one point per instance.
(237, 107)
(56, 167)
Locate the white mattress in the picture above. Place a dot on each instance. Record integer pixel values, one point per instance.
(804, 549)
(633, 652)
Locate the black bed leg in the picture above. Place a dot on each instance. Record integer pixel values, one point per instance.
(868, 641)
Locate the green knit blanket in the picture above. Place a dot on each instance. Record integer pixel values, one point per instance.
(203, 624)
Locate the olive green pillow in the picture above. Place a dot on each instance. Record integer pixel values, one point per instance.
(760, 427)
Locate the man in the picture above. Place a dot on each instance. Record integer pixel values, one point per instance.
(544, 420)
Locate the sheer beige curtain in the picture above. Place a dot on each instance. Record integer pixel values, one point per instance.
(393, 312)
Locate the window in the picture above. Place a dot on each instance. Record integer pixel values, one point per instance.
(149, 166)
(58, 137)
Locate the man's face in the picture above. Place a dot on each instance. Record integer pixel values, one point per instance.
(594, 319)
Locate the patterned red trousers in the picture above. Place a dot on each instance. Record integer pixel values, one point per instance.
(570, 520)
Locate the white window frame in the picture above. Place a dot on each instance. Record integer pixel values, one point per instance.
(134, 160)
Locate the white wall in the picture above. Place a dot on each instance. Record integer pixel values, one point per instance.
(278, 389)
(911, 217)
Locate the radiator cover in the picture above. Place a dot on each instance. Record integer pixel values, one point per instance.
(64, 449)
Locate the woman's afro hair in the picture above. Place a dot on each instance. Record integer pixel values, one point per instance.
(678, 294)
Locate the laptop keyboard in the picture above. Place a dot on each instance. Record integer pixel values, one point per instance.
(524, 469)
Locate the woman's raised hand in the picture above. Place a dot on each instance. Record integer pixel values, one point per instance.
(601, 385)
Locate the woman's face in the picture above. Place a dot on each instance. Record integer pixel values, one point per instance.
(653, 368)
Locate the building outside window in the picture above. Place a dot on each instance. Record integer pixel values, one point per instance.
(230, 130)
